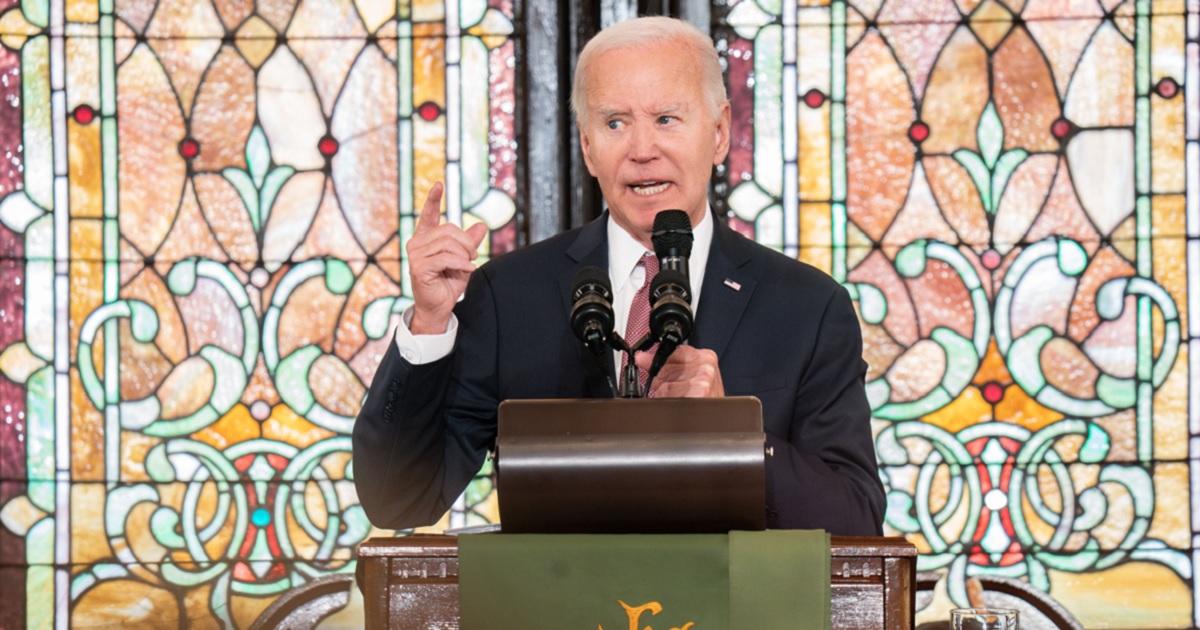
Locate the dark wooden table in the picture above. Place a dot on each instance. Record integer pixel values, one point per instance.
(412, 582)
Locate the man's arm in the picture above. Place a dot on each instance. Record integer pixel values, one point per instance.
(825, 475)
(399, 443)
(424, 430)
(404, 459)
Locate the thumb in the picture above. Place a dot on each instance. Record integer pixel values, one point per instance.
(643, 359)
(477, 232)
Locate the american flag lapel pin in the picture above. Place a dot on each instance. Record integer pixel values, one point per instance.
(736, 286)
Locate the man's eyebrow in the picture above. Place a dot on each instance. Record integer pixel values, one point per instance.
(610, 111)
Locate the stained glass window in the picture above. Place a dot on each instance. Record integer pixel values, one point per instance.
(204, 208)
(1002, 186)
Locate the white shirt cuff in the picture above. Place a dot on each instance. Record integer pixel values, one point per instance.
(421, 349)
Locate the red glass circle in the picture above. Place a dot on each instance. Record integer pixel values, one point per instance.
(84, 114)
(1167, 87)
(814, 98)
(991, 259)
(429, 111)
(992, 392)
(1060, 128)
(327, 146)
(918, 132)
(189, 148)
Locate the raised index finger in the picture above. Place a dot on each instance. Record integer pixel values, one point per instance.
(431, 212)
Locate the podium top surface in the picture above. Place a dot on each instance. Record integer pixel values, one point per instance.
(440, 545)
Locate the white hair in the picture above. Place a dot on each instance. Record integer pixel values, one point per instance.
(648, 31)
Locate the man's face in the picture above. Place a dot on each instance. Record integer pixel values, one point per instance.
(649, 136)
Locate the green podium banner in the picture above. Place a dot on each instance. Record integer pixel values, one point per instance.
(738, 581)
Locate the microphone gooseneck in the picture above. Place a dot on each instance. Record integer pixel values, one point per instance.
(670, 291)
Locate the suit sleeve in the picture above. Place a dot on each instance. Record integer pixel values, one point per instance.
(424, 430)
(825, 476)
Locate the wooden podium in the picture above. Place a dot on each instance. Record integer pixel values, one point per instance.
(411, 582)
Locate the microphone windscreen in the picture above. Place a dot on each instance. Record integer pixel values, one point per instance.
(590, 276)
(672, 235)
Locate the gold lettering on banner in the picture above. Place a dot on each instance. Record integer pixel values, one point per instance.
(635, 614)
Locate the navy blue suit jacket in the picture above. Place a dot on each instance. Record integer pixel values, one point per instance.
(788, 335)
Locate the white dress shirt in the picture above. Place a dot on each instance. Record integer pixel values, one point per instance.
(627, 276)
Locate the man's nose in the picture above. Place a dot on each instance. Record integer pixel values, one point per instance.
(643, 144)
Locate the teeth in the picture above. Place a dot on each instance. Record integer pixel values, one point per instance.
(649, 189)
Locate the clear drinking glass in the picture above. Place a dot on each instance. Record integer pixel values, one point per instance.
(983, 619)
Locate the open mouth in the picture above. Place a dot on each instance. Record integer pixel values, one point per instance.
(645, 189)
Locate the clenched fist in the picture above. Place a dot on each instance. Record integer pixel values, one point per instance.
(688, 373)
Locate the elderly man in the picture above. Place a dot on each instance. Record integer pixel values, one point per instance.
(653, 120)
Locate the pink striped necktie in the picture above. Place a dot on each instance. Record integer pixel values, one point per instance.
(638, 323)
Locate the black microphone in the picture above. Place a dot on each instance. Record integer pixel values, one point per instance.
(592, 313)
(670, 291)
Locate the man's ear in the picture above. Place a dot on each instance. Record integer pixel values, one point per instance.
(585, 146)
(722, 131)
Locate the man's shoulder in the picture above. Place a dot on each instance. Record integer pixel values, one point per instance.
(775, 269)
(538, 257)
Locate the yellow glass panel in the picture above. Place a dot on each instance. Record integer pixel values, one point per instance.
(816, 224)
(1168, 219)
(819, 257)
(992, 368)
(237, 425)
(1018, 408)
(1172, 518)
(134, 447)
(1171, 411)
(429, 158)
(255, 39)
(1167, 148)
(126, 604)
(199, 598)
(968, 409)
(815, 152)
(991, 22)
(1168, 7)
(1104, 599)
(87, 241)
(87, 435)
(84, 164)
(432, 30)
(247, 609)
(88, 541)
(284, 425)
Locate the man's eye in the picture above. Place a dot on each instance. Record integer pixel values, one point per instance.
(614, 124)
(665, 120)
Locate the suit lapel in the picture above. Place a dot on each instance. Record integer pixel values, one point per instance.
(589, 249)
(729, 281)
